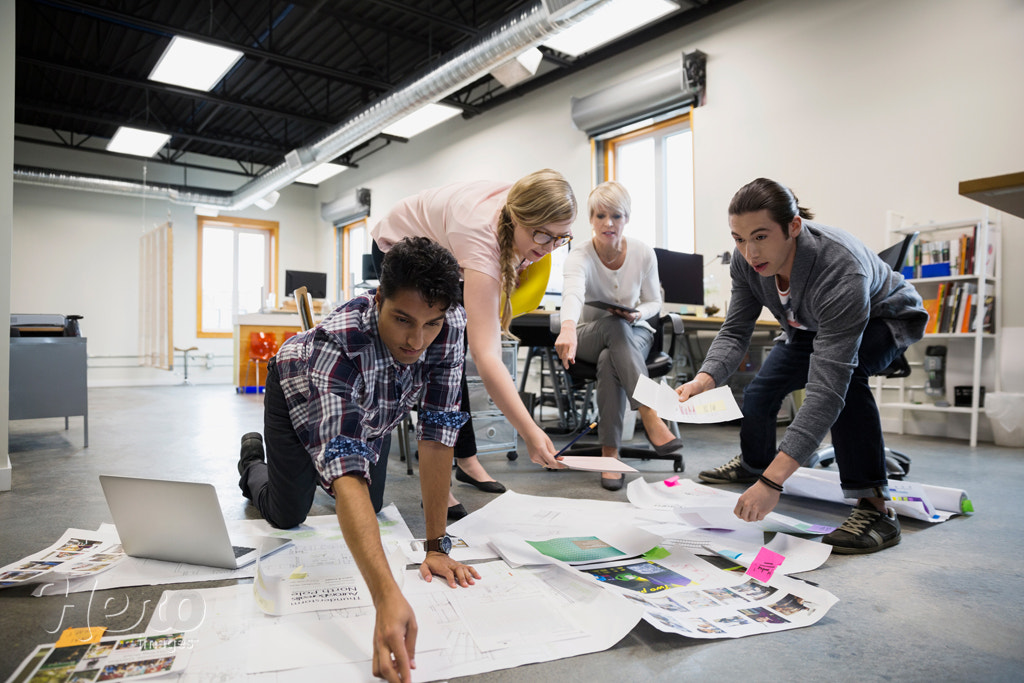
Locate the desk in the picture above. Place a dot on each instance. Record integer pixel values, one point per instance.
(48, 379)
(1004, 192)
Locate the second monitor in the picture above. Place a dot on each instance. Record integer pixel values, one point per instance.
(315, 283)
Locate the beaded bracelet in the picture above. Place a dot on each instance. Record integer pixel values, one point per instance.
(769, 483)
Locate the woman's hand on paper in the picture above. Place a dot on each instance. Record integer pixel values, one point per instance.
(541, 450)
(452, 571)
(394, 639)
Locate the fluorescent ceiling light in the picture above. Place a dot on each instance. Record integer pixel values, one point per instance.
(193, 64)
(607, 23)
(206, 210)
(422, 119)
(518, 69)
(141, 143)
(318, 174)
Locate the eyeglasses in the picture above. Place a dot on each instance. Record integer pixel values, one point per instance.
(541, 237)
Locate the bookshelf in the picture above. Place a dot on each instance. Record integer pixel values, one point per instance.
(955, 266)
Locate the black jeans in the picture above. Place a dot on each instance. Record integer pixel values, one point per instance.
(465, 444)
(856, 433)
(282, 488)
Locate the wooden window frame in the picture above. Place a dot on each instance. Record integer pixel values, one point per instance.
(202, 222)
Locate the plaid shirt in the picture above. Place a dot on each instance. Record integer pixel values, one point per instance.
(345, 391)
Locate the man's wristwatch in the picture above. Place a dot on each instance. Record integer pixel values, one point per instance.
(440, 545)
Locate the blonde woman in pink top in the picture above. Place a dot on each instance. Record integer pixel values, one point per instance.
(494, 230)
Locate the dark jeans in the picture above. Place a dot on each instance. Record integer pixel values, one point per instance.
(465, 444)
(856, 433)
(282, 488)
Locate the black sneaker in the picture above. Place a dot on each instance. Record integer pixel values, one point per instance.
(866, 530)
(729, 473)
(252, 451)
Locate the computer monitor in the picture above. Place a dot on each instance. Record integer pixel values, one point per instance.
(682, 277)
(315, 283)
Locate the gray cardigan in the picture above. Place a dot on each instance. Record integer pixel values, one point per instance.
(836, 286)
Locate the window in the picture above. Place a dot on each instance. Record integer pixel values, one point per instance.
(655, 163)
(237, 271)
(353, 240)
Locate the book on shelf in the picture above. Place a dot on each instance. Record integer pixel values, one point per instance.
(947, 258)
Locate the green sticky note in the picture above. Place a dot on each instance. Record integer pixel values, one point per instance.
(656, 553)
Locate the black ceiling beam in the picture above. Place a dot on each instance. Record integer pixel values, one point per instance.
(154, 86)
(56, 110)
(431, 17)
(131, 21)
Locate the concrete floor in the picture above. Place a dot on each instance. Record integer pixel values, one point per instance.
(945, 604)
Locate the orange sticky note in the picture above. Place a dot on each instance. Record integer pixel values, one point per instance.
(80, 636)
(765, 564)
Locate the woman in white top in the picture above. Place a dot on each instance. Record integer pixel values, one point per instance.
(623, 272)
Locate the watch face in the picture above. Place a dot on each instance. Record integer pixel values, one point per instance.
(446, 544)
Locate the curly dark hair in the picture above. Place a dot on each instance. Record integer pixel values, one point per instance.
(424, 266)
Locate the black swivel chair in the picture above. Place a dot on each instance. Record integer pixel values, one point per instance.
(583, 376)
(897, 464)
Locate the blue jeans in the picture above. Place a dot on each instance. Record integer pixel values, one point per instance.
(856, 433)
(282, 488)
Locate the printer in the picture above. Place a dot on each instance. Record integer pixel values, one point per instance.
(45, 325)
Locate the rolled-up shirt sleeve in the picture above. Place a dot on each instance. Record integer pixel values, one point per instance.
(440, 415)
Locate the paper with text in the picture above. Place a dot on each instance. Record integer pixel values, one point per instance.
(715, 405)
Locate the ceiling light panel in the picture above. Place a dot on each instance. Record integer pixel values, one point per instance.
(616, 18)
(141, 143)
(422, 119)
(318, 174)
(193, 64)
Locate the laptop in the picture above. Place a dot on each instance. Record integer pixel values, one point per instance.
(178, 521)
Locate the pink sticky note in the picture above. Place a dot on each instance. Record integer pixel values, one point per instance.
(765, 564)
(671, 481)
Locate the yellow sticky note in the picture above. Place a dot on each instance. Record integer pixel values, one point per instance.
(80, 636)
(297, 573)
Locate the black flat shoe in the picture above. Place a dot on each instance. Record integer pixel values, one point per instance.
(613, 484)
(457, 512)
(485, 486)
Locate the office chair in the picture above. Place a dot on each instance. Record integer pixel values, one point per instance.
(303, 302)
(262, 347)
(583, 377)
(897, 464)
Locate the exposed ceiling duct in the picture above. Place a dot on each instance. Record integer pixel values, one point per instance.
(510, 37)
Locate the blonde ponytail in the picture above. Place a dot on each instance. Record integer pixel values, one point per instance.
(534, 201)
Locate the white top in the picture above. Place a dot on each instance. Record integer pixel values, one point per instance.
(634, 285)
(462, 218)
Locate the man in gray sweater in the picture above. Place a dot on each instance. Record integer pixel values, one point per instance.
(847, 315)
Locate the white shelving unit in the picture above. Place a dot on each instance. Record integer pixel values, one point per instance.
(907, 389)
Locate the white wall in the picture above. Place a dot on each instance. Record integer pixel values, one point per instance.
(78, 252)
(861, 106)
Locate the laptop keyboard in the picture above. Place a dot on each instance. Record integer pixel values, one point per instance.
(240, 550)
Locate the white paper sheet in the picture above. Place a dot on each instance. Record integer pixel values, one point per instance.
(77, 555)
(133, 571)
(595, 464)
(716, 405)
(801, 554)
(577, 617)
(613, 541)
(910, 499)
(706, 507)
